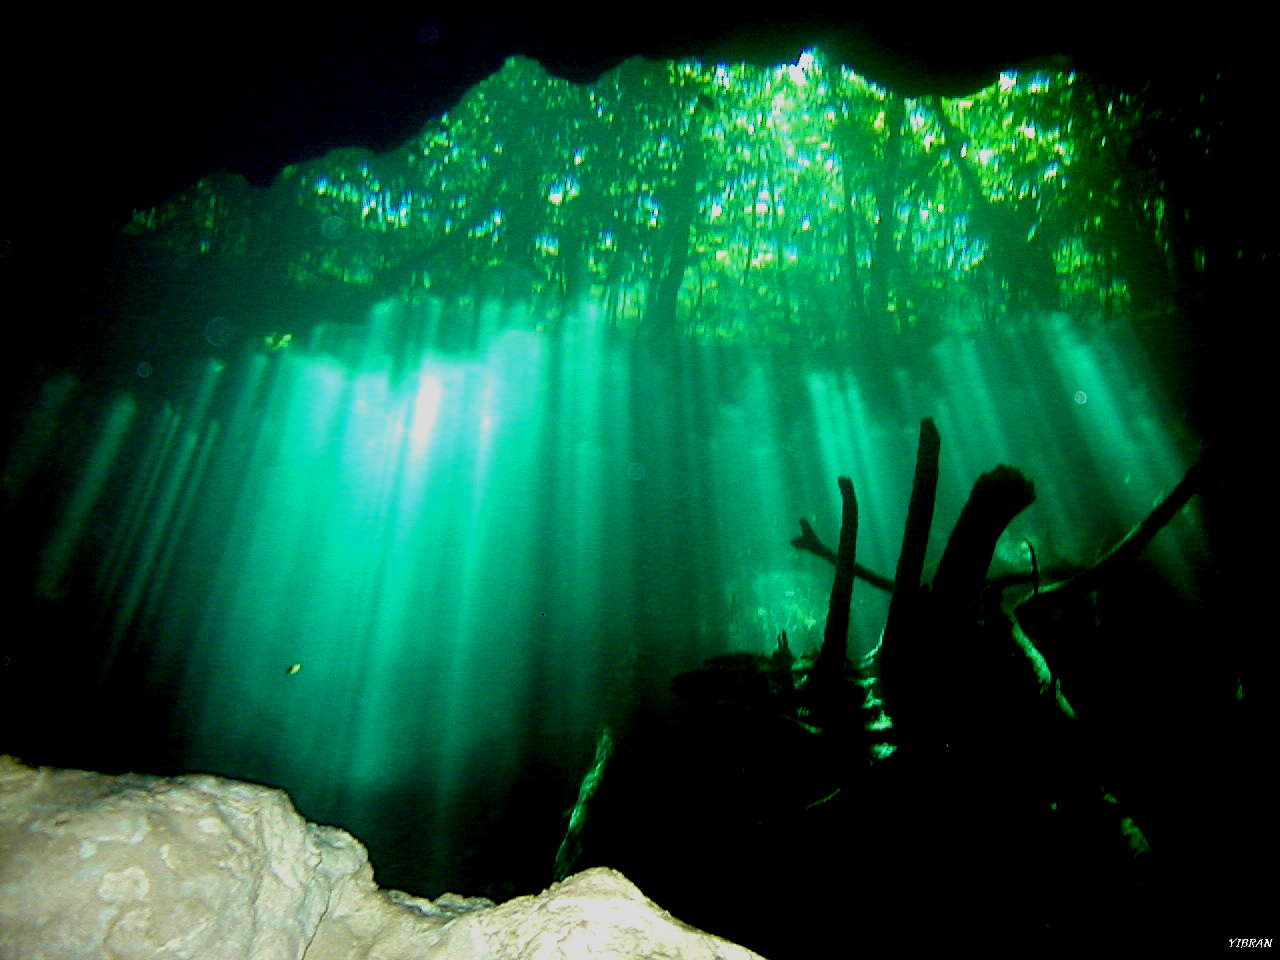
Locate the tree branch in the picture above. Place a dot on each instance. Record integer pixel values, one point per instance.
(808, 540)
(835, 638)
(1032, 611)
(997, 497)
(915, 534)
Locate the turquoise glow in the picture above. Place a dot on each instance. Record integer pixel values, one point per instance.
(394, 580)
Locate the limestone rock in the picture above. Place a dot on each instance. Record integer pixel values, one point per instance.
(202, 867)
(598, 913)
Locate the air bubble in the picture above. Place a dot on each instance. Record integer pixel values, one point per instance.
(219, 331)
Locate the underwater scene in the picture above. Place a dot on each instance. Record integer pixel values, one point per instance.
(483, 495)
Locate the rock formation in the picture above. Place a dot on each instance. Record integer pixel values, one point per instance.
(202, 867)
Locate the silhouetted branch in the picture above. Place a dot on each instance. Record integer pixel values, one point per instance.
(835, 638)
(1032, 611)
(808, 540)
(1047, 575)
(915, 534)
(997, 497)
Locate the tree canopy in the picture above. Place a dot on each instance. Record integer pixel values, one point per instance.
(800, 204)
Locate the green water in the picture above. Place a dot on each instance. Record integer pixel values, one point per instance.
(413, 590)
(408, 575)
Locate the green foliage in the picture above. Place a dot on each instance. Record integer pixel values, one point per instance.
(795, 204)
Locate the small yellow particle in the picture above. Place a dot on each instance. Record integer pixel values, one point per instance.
(292, 669)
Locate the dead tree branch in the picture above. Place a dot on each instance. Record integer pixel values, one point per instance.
(915, 534)
(835, 638)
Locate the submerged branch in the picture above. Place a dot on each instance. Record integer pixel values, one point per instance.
(997, 497)
(571, 847)
(808, 540)
(835, 639)
(915, 534)
(1132, 544)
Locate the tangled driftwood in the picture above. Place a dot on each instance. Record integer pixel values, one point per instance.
(945, 775)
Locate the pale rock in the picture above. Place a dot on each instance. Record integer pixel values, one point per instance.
(152, 868)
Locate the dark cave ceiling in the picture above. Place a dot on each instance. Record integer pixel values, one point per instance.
(144, 103)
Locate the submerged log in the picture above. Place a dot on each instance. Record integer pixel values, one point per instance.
(981, 789)
(929, 664)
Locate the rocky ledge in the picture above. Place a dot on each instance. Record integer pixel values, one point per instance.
(202, 867)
